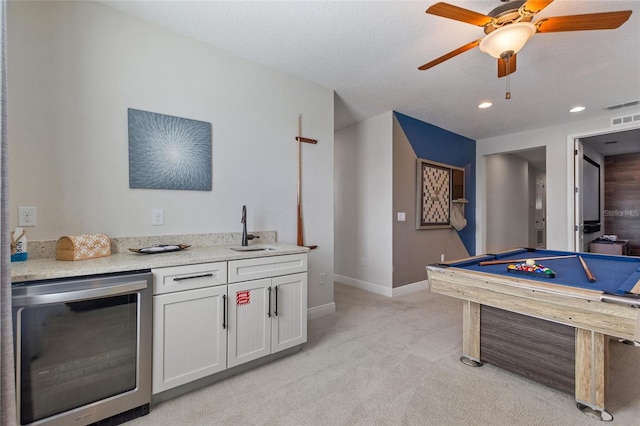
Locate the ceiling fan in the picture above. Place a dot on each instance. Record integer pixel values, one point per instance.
(509, 27)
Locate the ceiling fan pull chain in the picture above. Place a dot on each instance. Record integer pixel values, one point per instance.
(508, 94)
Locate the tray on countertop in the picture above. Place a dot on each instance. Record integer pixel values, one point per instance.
(163, 248)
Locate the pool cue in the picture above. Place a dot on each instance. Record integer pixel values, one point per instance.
(499, 262)
(300, 140)
(587, 271)
(300, 224)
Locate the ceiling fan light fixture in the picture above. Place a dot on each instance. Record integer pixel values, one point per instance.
(510, 38)
(577, 109)
(484, 105)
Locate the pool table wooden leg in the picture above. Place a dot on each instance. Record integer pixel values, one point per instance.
(471, 334)
(592, 359)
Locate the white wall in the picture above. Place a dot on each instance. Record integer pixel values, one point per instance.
(73, 70)
(558, 141)
(507, 202)
(363, 204)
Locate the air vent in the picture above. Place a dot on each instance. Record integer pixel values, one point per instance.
(624, 105)
(625, 119)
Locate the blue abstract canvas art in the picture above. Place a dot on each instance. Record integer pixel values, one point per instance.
(167, 152)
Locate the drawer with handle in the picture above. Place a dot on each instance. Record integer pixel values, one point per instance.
(265, 267)
(188, 277)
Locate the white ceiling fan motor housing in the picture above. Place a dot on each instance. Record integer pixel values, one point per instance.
(510, 38)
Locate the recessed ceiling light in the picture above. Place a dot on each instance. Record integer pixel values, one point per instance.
(577, 109)
(485, 105)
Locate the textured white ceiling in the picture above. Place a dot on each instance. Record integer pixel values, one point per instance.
(369, 52)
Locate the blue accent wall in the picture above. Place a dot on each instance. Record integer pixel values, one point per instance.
(436, 144)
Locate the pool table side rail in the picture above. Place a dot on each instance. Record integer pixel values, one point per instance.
(491, 256)
(478, 258)
(567, 305)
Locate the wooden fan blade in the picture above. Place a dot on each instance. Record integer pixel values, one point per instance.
(502, 66)
(459, 14)
(535, 6)
(590, 21)
(450, 55)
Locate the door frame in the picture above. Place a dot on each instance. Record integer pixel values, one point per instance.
(572, 220)
(578, 199)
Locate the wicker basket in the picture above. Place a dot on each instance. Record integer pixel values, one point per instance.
(81, 247)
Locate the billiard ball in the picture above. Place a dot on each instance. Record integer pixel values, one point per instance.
(530, 262)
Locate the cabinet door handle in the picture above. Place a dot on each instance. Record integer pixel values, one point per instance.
(275, 311)
(269, 304)
(192, 277)
(224, 311)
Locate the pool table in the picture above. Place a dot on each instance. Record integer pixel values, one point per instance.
(555, 330)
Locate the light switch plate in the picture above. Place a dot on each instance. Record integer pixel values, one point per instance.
(402, 216)
(157, 217)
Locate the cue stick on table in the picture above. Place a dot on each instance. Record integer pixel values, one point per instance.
(587, 271)
(499, 262)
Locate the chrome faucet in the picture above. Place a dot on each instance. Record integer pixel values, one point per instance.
(246, 237)
(244, 226)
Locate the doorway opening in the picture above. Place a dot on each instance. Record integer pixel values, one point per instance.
(516, 200)
(617, 155)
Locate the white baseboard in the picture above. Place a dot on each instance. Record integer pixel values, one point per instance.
(384, 291)
(411, 288)
(364, 285)
(321, 311)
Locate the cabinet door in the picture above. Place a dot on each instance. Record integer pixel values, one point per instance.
(189, 341)
(249, 321)
(289, 319)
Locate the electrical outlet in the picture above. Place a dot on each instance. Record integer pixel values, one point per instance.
(323, 278)
(26, 216)
(157, 217)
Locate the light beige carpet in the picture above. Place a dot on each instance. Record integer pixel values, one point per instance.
(392, 361)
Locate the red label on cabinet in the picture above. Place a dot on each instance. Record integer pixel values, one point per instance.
(243, 297)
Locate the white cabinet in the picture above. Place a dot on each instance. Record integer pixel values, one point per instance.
(289, 320)
(214, 316)
(266, 316)
(264, 267)
(189, 326)
(249, 322)
(188, 277)
(278, 319)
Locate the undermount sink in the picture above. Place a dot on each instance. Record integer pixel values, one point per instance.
(253, 248)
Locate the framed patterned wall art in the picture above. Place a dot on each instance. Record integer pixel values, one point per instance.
(167, 152)
(437, 185)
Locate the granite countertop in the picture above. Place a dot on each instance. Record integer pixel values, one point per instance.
(48, 268)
